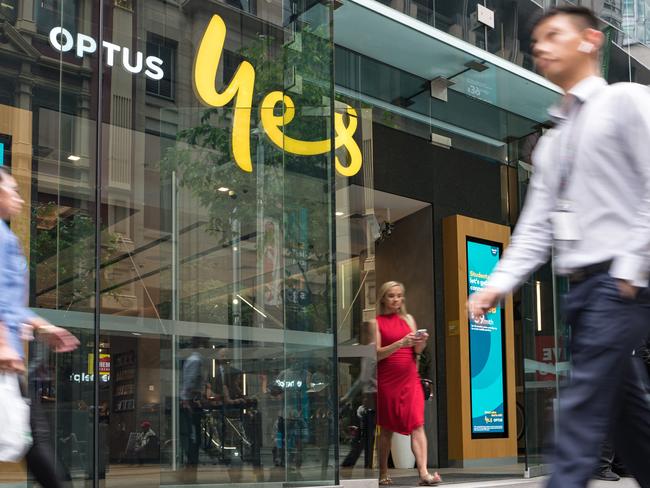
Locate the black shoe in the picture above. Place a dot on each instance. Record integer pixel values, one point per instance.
(606, 475)
(622, 472)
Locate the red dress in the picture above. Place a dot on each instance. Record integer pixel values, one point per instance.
(400, 399)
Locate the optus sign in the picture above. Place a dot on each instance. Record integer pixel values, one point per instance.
(63, 41)
(241, 89)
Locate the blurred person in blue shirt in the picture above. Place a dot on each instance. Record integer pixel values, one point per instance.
(14, 275)
(17, 322)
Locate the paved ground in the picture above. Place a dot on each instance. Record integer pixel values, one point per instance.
(412, 483)
(409, 482)
(624, 483)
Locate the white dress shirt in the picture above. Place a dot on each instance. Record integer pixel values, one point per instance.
(603, 135)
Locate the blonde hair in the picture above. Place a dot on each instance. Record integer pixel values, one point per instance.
(383, 310)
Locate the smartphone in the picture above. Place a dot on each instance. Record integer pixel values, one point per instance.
(420, 332)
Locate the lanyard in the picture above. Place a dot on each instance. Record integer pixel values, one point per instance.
(568, 144)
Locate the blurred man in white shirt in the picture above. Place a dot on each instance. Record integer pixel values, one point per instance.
(589, 200)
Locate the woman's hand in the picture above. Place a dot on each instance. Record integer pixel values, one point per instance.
(422, 337)
(420, 342)
(10, 361)
(58, 338)
(409, 340)
(413, 339)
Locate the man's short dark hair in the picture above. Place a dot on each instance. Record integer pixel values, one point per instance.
(581, 14)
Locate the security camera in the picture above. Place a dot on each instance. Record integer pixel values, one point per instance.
(385, 231)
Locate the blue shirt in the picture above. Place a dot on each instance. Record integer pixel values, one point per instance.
(13, 287)
(604, 137)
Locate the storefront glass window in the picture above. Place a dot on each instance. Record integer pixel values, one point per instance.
(200, 285)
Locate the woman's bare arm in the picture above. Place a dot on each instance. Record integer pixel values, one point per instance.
(419, 342)
(383, 352)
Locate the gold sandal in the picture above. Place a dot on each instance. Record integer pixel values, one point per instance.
(386, 481)
(430, 480)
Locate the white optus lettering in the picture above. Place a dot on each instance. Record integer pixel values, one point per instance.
(154, 66)
(111, 49)
(85, 45)
(68, 41)
(63, 41)
(126, 61)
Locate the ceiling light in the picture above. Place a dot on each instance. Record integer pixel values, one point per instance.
(72, 157)
(223, 189)
(440, 140)
(339, 214)
(333, 3)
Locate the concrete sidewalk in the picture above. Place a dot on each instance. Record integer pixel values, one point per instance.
(538, 483)
(409, 482)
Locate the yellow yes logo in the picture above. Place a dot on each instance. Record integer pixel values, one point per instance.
(241, 90)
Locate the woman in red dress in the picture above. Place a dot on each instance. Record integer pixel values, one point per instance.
(400, 399)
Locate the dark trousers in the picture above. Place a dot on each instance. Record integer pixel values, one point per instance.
(606, 457)
(364, 441)
(605, 393)
(41, 462)
(190, 433)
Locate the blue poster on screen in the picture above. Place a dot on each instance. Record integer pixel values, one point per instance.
(486, 348)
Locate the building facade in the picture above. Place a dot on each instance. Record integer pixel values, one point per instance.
(215, 191)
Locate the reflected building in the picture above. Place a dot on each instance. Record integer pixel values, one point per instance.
(636, 23)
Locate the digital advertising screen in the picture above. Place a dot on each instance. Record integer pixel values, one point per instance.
(486, 347)
(5, 150)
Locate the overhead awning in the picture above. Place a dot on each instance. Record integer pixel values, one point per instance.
(394, 45)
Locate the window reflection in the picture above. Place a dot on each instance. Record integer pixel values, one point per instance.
(209, 287)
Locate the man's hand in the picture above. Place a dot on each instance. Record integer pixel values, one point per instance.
(58, 338)
(480, 302)
(627, 289)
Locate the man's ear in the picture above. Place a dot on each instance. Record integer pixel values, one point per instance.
(593, 37)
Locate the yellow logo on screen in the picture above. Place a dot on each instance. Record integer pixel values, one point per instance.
(241, 88)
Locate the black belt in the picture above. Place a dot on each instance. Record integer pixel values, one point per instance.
(586, 272)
